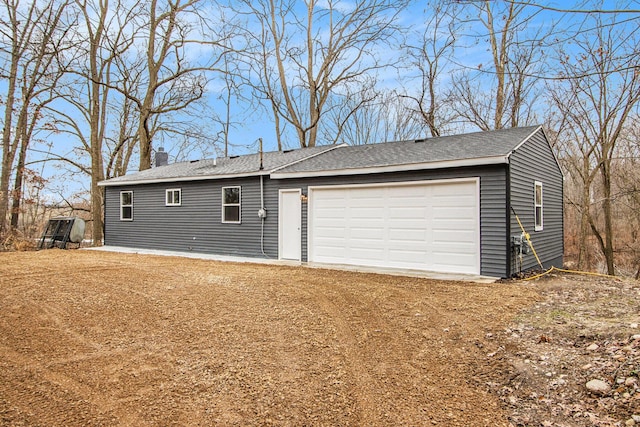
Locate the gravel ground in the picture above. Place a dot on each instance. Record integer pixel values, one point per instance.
(89, 338)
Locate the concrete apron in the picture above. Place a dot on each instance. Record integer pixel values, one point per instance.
(356, 268)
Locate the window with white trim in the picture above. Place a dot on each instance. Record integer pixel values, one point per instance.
(173, 197)
(538, 206)
(126, 206)
(231, 197)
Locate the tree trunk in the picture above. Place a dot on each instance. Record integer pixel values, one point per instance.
(145, 142)
(8, 151)
(583, 245)
(17, 186)
(584, 250)
(608, 220)
(97, 173)
(313, 136)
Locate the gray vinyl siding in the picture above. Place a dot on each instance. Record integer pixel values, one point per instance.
(492, 205)
(534, 161)
(196, 225)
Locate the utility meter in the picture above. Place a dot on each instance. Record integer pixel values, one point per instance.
(262, 213)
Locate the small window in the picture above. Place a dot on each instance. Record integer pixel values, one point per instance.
(539, 214)
(126, 206)
(231, 204)
(173, 197)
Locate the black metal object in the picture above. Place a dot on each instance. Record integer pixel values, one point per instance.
(57, 233)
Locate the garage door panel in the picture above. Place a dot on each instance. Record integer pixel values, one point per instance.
(330, 232)
(451, 258)
(453, 226)
(427, 226)
(371, 202)
(371, 233)
(411, 254)
(401, 236)
(455, 220)
(449, 237)
(367, 255)
(331, 212)
(332, 250)
(407, 223)
(409, 212)
(406, 260)
(463, 212)
(365, 214)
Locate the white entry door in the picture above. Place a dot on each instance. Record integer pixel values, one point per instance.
(290, 224)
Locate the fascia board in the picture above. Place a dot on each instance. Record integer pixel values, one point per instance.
(108, 183)
(395, 168)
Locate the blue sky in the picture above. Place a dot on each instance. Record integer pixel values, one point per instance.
(254, 123)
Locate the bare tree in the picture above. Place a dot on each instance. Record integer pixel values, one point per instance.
(429, 54)
(33, 40)
(516, 58)
(173, 81)
(627, 195)
(304, 54)
(106, 32)
(381, 117)
(121, 144)
(596, 98)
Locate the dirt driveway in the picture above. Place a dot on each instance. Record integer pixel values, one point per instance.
(91, 338)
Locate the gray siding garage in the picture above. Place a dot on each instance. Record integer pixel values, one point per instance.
(492, 216)
(442, 204)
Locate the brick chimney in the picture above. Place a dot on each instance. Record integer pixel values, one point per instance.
(162, 157)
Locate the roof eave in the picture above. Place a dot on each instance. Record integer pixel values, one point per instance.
(113, 183)
(480, 161)
(108, 183)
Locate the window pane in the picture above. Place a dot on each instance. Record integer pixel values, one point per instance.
(127, 212)
(232, 213)
(176, 197)
(169, 197)
(538, 194)
(538, 216)
(125, 198)
(231, 195)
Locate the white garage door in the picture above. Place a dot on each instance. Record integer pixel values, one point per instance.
(420, 225)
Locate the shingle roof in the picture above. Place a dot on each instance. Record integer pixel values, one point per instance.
(473, 148)
(448, 151)
(217, 168)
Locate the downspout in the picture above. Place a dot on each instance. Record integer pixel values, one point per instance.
(104, 216)
(262, 212)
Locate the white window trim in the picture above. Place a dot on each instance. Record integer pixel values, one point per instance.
(166, 196)
(239, 205)
(538, 227)
(126, 206)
